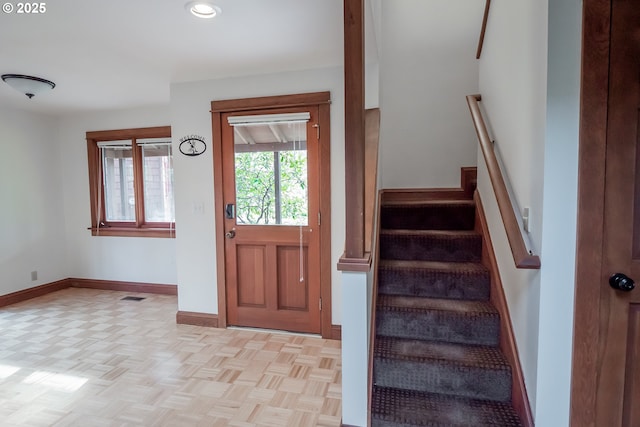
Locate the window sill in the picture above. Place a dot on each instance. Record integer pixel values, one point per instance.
(133, 232)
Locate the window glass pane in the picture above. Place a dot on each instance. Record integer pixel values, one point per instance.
(117, 163)
(157, 167)
(271, 173)
(293, 187)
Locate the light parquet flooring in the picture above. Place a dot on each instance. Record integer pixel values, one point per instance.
(83, 357)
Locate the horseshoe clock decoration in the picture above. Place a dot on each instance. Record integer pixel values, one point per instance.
(192, 145)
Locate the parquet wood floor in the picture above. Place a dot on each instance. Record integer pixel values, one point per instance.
(83, 357)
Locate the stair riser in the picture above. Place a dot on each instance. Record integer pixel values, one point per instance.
(424, 283)
(434, 377)
(428, 218)
(431, 248)
(439, 326)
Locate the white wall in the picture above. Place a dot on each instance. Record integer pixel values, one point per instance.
(427, 67)
(31, 214)
(132, 259)
(513, 88)
(190, 106)
(513, 70)
(559, 213)
(355, 349)
(529, 81)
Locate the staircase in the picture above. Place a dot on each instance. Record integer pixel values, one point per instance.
(436, 356)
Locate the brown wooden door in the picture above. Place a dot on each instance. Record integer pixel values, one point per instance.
(271, 198)
(618, 388)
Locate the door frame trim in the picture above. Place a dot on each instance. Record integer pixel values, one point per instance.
(594, 98)
(323, 101)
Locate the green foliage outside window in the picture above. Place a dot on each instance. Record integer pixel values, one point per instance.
(256, 183)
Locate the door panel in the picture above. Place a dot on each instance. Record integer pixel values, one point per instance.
(251, 268)
(272, 249)
(293, 290)
(617, 388)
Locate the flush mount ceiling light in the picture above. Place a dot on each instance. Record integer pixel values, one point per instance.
(203, 9)
(28, 85)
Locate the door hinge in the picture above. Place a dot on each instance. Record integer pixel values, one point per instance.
(320, 304)
(318, 218)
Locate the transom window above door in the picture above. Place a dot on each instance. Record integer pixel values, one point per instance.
(131, 182)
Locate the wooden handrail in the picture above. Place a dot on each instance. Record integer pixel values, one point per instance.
(485, 18)
(521, 256)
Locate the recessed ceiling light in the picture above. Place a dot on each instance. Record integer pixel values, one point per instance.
(203, 9)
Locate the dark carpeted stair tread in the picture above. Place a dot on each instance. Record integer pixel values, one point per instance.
(442, 234)
(461, 307)
(431, 245)
(455, 321)
(455, 280)
(444, 267)
(429, 215)
(475, 356)
(406, 408)
(476, 372)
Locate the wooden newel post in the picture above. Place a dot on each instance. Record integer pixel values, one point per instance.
(354, 127)
(354, 284)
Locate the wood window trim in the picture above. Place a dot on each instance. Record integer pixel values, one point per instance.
(96, 186)
(264, 102)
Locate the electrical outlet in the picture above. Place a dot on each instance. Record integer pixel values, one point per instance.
(34, 275)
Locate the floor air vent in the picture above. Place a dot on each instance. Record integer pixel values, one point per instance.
(133, 298)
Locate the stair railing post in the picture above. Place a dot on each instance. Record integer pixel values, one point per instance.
(354, 127)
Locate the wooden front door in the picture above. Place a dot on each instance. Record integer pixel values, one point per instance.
(618, 385)
(270, 162)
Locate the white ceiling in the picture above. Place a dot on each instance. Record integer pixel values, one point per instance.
(125, 53)
(112, 54)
